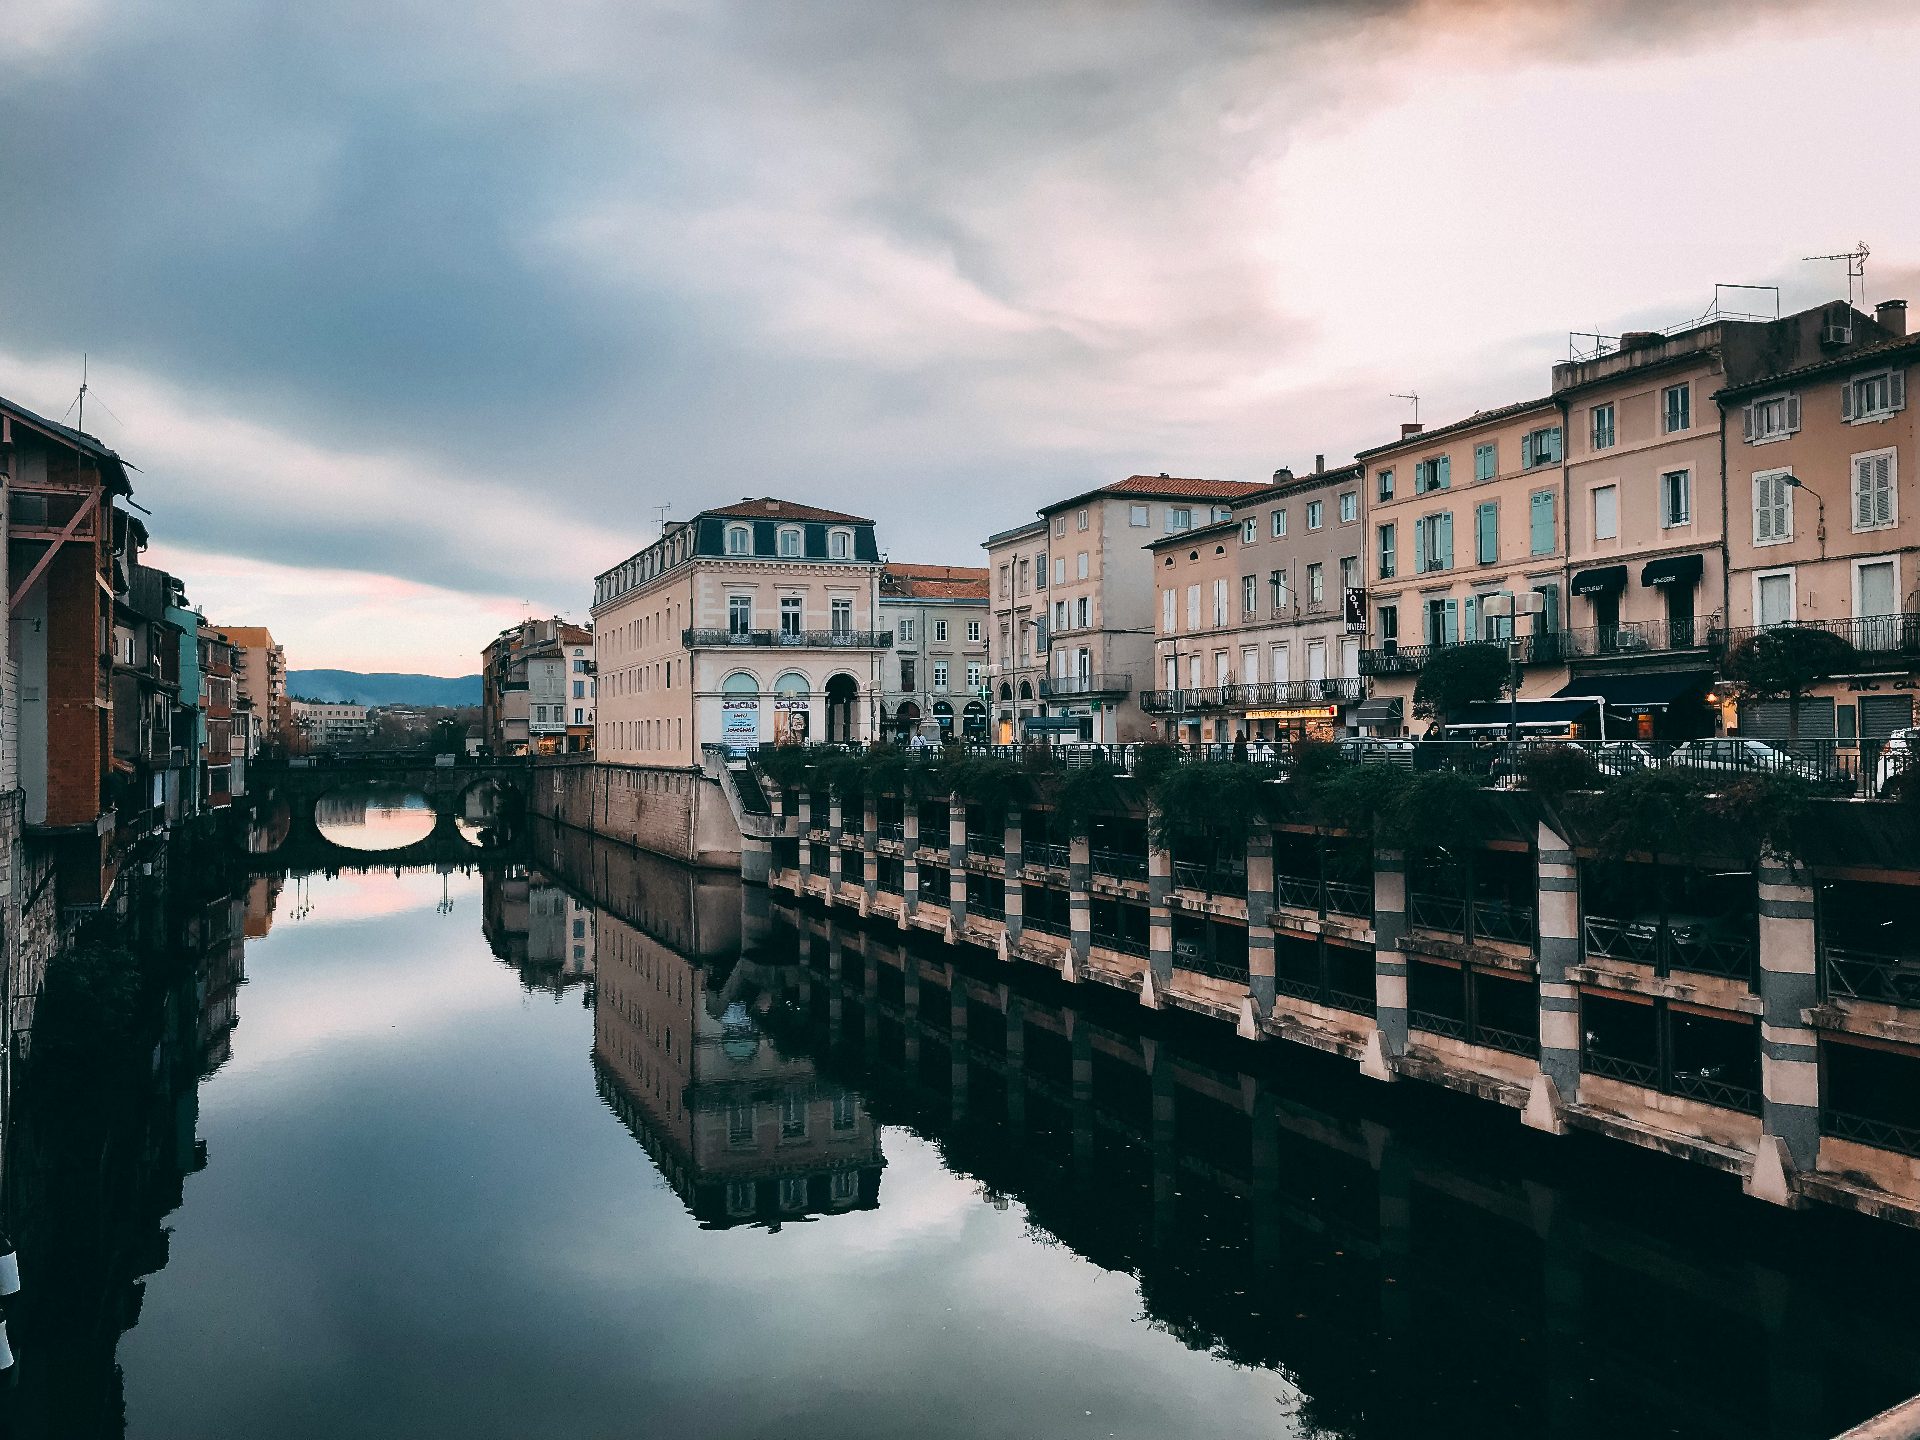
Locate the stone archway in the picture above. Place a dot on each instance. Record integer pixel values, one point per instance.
(843, 700)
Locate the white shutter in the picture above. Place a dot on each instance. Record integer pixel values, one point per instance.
(1793, 413)
(1746, 424)
(1897, 390)
(1881, 480)
(1763, 508)
(1846, 401)
(1862, 491)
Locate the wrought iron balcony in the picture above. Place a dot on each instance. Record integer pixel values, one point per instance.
(1877, 638)
(1637, 637)
(1339, 690)
(788, 639)
(1062, 687)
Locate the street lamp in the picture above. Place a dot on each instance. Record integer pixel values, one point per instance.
(1820, 530)
(1510, 608)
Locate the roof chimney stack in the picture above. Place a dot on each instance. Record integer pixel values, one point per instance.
(1892, 315)
(1282, 475)
(1319, 464)
(1410, 428)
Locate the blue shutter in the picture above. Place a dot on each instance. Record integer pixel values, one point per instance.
(1444, 548)
(1450, 625)
(1420, 545)
(1443, 472)
(1542, 523)
(1472, 631)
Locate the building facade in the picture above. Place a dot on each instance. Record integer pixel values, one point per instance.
(560, 691)
(260, 679)
(329, 724)
(935, 674)
(1017, 631)
(751, 623)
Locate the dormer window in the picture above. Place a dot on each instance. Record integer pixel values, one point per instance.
(790, 543)
(739, 540)
(840, 544)
(1874, 397)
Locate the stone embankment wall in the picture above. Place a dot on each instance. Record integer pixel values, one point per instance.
(679, 813)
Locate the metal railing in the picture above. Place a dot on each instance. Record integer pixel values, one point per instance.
(1236, 971)
(1866, 975)
(1121, 943)
(1667, 947)
(787, 639)
(1057, 857)
(1696, 1085)
(1339, 690)
(1118, 865)
(1615, 1067)
(1213, 878)
(1638, 637)
(1044, 925)
(981, 843)
(1437, 912)
(1865, 1130)
(891, 830)
(1057, 687)
(1871, 635)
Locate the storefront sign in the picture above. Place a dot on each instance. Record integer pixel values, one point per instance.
(740, 724)
(1305, 712)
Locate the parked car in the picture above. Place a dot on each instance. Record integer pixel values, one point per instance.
(1899, 753)
(1747, 757)
(1622, 757)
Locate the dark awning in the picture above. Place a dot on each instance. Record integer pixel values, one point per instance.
(1382, 710)
(1640, 692)
(1601, 581)
(1682, 570)
(1550, 714)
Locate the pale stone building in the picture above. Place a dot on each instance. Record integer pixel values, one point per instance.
(1017, 632)
(936, 671)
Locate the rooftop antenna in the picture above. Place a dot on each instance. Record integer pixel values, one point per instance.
(660, 515)
(1415, 398)
(80, 423)
(1856, 259)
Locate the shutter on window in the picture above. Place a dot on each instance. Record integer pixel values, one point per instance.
(1846, 401)
(1746, 424)
(1882, 489)
(1863, 492)
(1897, 390)
(1472, 632)
(1446, 540)
(1450, 625)
(1443, 476)
(1762, 508)
(1420, 546)
(1793, 413)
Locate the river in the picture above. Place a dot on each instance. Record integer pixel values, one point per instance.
(590, 1145)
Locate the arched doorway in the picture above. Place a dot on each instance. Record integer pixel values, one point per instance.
(1026, 690)
(906, 720)
(973, 721)
(943, 716)
(792, 699)
(740, 712)
(843, 694)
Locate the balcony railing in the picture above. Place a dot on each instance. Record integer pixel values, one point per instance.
(1638, 637)
(981, 843)
(1475, 919)
(1211, 878)
(1119, 866)
(1864, 1130)
(788, 639)
(1061, 687)
(1126, 945)
(1194, 963)
(1874, 636)
(1056, 856)
(1865, 975)
(1341, 690)
(1666, 946)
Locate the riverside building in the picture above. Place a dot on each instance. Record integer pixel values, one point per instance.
(936, 669)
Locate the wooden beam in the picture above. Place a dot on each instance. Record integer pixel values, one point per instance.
(40, 566)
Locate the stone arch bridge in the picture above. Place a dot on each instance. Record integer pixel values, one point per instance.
(304, 781)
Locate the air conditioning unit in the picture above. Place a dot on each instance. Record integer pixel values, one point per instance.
(1836, 334)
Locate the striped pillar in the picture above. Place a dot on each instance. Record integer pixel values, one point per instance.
(960, 1069)
(909, 867)
(870, 845)
(807, 804)
(836, 1014)
(1266, 1175)
(1079, 897)
(910, 1003)
(1159, 906)
(1260, 920)
(1789, 1056)
(1016, 1063)
(1011, 868)
(836, 816)
(1080, 1037)
(1166, 1157)
(1389, 964)
(1558, 876)
(957, 860)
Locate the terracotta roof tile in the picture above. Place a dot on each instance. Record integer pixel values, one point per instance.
(769, 508)
(934, 582)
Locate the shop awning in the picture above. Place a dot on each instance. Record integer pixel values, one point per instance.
(1640, 692)
(1050, 725)
(1681, 570)
(1550, 714)
(1384, 710)
(1602, 581)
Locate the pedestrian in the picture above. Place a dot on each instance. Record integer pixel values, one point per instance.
(1240, 748)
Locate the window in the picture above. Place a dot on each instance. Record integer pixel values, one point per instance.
(1083, 612)
(1277, 584)
(904, 631)
(1387, 623)
(1676, 408)
(1179, 517)
(1874, 397)
(1770, 419)
(738, 541)
(1059, 569)
(1059, 524)
(1040, 571)
(1486, 461)
(1080, 520)
(1486, 532)
(1316, 514)
(940, 632)
(1279, 664)
(974, 674)
(1059, 614)
(1249, 594)
(1540, 447)
(579, 716)
(1279, 522)
(1169, 611)
(1139, 516)
(1433, 542)
(907, 677)
(739, 614)
(1349, 572)
(1387, 558)
(579, 689)
(940, 675)
(1173, 672)
(1080, 565)
(1875, 498)
(1249, 531)
(1383, 484)
(841, 616)
(840, 545)
(789, 615)
(789, 544)
(1433, 474)
(1773, 597)
(1316, 584)
(1349, 507)
(1876, 588)
(1772, 508)
(1442, 622)
(973, 632)
(1606, 512)
(1676, 499)
(1006, 580)
(1220, 602)
(1602, 431)
(1540, 524)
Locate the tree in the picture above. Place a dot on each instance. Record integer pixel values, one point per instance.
(1457, 676)
(1784, 662)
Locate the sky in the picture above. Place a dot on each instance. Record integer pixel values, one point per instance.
(412, 313)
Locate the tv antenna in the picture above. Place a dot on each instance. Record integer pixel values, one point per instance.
(1856, 259)
(80, 422)
(1415, 398)
(660, 516)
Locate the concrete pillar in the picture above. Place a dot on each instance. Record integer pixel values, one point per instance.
(807, 802)
(909, 867)
(1558, 1083)
(1266, 1176)
(1014, 896)
(1159, 907)
(1080, 1038)
(1789, 1056)
(957, 860)
(1079, 898)
(870, 846)
(1389, 964)
(1260, 920)
(836, 816)
(910, 1004)
(1563, 1285)
(1394, 1169)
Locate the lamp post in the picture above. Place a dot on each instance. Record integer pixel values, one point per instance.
(1510, 608)
(1820, 523)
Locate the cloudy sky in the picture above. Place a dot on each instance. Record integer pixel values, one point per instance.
(411, 312)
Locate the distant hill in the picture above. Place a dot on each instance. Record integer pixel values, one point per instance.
(383, 689)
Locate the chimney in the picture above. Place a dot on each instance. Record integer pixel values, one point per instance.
(1282, 475)
(1892, 315)
(1319, 464)
(1410, 428)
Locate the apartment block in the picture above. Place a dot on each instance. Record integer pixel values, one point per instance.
(260, 680)
(936, 671)
(329, 724)
(1017, 633)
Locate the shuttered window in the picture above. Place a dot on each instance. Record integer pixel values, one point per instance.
(1872, 397)
(1486, 532)
(1873, 490)
(1540, 522)
(1772, 508)
(1773, 418)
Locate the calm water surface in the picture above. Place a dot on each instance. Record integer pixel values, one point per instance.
(484, 1157)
